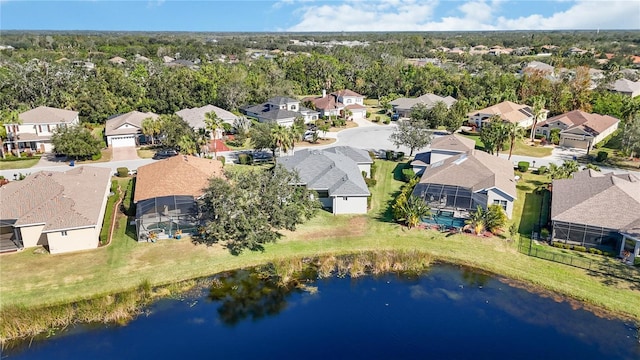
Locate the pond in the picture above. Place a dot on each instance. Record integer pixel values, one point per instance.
(446, 313)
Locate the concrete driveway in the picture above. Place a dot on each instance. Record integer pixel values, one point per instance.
(124, 153)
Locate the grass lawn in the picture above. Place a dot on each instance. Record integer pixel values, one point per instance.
(520, 149)
(37, 279)
(615, 157)
(27, 162)
(145, 153)
(245, 146)
(526, 210)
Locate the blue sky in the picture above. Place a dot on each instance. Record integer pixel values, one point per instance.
(312, 15)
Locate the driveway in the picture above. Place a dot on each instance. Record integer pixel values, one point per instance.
(124, 153)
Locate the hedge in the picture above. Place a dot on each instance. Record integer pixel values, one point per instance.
(523, 166)
(602, 156)
(245, 159)
(542, 170)
(122, 171)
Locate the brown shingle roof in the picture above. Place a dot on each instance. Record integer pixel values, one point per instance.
(593, 123)
(47, 115)
(596, 199)
(178, 175)
(59, 200)
(453, 143)
(508, 111)
(346, 92)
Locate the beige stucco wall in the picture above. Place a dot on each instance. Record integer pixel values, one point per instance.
(605, 133)
(79, 239)
(32, 236)
(495, 195)
(350, 205)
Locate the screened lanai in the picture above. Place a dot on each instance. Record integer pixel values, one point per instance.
(587, 236)
(439, 196)
(161, 217)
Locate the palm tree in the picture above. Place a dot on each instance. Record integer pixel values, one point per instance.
(151, 128)
(213, 123)
(415, 209)
(515, 132)
(282, 138)
(476, 220)
(538, 113)
(203, 137)
(186, 144)
(502, 135)
(7, 117)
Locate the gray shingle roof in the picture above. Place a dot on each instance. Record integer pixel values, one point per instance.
(358, 155)
(453, 143)
(195, 116)
(596, 199)
(322, 170)
(626, 86)
(429, 100)
(265, 112)
(281, 100)
(133, 118)
(47, 115)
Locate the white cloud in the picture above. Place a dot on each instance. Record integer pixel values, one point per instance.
(418, 15)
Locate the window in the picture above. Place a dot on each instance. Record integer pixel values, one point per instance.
(345, 198)
(293, 107)
(502, 203)
(49, 128)
(348, 101)
(63, 233)
(39, 128)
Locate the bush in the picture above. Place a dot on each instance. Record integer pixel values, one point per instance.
(544, 233)
(96, 157)
(542, 170)
(370, 182)
(390, 155)
(372, 172)
(222, 159)
(387, 121)
(235, 142)
(376, 119)
(602, 156)
(408, 174)
(368, 114)
(568, 246)
(400, 155)
(523, 166)
(123, 172)
(579, 248)
(595, 251)
(245, 159)
(558, 245)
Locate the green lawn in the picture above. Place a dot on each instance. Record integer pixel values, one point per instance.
(520, 149)
(27, 162)
(526, 210)
(32, 279)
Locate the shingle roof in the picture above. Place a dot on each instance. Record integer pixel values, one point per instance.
(358, 155)
(626, 86)
(346, 92)
(59, 200)
(47, 115)
(281, 100)
(508, 111)
(453, 142)
(475, 170)
(592, 123)
(178, 175)
(195, 116)
(429, 100)
(328, 102)
(596, 199)
(133, 118)
(540, 66)
(332, 171)
(265, 112)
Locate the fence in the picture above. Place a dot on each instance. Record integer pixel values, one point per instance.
(606, 266)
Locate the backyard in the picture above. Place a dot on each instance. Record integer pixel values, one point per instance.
(521, 147)
(41, 279)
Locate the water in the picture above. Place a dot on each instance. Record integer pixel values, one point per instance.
(446, 314)
(445, 218)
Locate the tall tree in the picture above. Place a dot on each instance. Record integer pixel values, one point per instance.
(282, 138)
(75, 142)
(515, 133)
(437, 115)
(151, 128)
(538, 113)
(411, 134)
(7, 117)
(494, 135)
(214, 124)
(262, 138)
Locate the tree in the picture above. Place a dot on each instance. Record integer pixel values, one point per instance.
(7, 117)
(214, 124)
(493, 135)
(247, 210)
(631, 136)
(476, 220)
(554, 136)
(413, 210)
(538, 113)
(75, 142)
(187, 144)
(262, 138)
(151, 128)
(515, 132)
(437, 115)
(203, 137)
(281, 136)
(494, 218)
(565, 171)
(173, 129)
(410, 134)
(457, 115)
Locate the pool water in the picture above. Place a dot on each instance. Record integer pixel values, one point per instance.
(444, 218)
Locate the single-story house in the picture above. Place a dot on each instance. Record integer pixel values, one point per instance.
(335, 174)
(626, 87)
(62, 211)
(281, 110)
(441, 148)
(196, 116)
(34, 130)
(126, 129)
(579, 129)
(336, 103)
(403, 106)
(507, 111)
(462, 182)
(593, 209)
(166, 192)
(538, 66)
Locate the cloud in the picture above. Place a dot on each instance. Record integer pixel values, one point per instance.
(154, 3)
(428, 15)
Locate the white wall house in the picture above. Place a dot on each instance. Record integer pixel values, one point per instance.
(36, 126)
(281, 110)
(507, 111)
(126, 129)
(336, 103)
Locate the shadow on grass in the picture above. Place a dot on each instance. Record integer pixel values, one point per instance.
(530, 214)
(397, 171)
(130, 231)
(386, 212)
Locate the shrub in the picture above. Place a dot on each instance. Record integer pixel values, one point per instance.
(370, 182)
(400, 155)
(123, 172)
(558, 245)
(96, 157)
(568, 246)
(390, 155)
(368, 114)
(595, 251)
(372, 172)
(523, 166)
(245, 159)
(222, 159)
(377, 118)
(579, 248)
(408, 174)
(387, 121)
(544, 233)
(542, 170)
(602, 156)
(235, 142)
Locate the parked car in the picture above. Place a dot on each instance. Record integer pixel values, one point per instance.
(165, 153)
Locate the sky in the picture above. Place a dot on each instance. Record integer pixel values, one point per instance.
(318, 15)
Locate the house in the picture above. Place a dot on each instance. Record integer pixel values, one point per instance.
(126, 129)
(538, 66)
(281, 110)
(335, 174)
(626, 87)
(463, 182)
(441, 148)
(403, 106)
(36, 126)
(507, 111)
(166, 192)
(196, 116)
(579, 129)
(336, 103)
(62, 211)
(593, 209)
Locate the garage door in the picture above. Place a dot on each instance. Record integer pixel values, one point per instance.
(574, 143)
(121, 141)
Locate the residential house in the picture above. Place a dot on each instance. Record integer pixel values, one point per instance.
(403, 106)
(507, 111)
(593, 209)
(336, 103)
(36, 126)
(579, 129)
(126, 129)
(335, 174)
(62, 211)
(441, 148)
(463, 182)
(538, 66)
(166, 192)
(196, 117)
(626, 87)
(281, 110)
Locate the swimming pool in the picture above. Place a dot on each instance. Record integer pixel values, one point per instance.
(445, 218)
